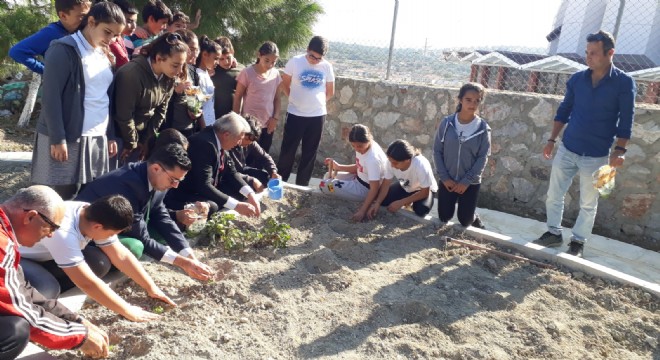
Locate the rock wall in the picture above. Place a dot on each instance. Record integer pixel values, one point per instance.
(516, 176)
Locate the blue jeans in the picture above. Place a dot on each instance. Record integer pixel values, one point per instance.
(564, 167)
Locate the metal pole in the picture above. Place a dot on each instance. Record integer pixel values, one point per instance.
(389, 57)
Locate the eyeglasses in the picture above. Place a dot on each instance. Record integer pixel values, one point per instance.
(314, 57)
(53, 227)
(173, 180)
(173, 38)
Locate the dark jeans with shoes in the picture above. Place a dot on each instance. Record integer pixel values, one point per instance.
(299, 129)
(50, 280)
(397, 192)
(467, 204)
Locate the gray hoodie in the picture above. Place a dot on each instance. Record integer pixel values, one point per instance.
(461, 159)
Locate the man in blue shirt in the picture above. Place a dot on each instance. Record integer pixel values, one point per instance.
(598, 106)
(71, 13)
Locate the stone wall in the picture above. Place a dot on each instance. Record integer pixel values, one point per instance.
(516, 176)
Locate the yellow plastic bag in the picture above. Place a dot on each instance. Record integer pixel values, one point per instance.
(603, 180)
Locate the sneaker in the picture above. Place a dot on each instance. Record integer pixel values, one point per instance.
(477, 223)
(575, 248)
(549, 239)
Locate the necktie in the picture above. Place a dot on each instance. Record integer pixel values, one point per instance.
(151, 197)
(221, 166)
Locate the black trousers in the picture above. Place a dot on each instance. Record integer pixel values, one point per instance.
(14, 336)
(250, 173)
(467, 204)
(297, 129)
(266, 139)
(50, 280)
(397, 192)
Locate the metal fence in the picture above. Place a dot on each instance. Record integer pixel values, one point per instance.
(517, 45)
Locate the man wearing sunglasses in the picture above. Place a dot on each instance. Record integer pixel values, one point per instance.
(145, 184)
(25, 315)
(309, 82)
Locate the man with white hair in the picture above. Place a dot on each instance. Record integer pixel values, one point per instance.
(213, 177)
(30, 215)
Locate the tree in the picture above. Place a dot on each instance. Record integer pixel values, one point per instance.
(249, 23)
(19, 20)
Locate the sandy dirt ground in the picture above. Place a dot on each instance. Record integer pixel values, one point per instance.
(385, 289)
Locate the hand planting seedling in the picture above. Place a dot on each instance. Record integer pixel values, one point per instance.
(158, 309)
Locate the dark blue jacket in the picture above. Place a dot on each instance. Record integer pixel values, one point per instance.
(131, 182)
(26, 51)
(595, 115)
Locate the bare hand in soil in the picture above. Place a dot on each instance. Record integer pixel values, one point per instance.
(96, 343)
(194, 268)
(245, 209)
(252, 199)
(59, 152)
(158, 294)
(373, 210)
(395, 206)
(358, 216)
(140, 315)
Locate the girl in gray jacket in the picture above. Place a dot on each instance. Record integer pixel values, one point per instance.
(460, 152)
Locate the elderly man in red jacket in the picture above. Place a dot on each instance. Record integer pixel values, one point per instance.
(31, 214)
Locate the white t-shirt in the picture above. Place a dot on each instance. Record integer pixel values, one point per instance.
(98, 77)
(206, 85)
(418, 176)
(66, 244)
(307, 96)
(465, 130)
(372, 165)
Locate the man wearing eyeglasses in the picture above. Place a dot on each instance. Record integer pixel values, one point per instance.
(25, 315)
(145, 184)
(598, 106)
(213, 177)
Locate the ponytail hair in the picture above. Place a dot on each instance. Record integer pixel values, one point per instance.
(478, 88)
(360, 134)
(401, 150)
(104, 12)
(165, 45)
(268, 48)
(209, 46)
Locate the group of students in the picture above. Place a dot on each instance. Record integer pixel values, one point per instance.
(401, 177)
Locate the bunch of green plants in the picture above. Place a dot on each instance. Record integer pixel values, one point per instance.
(221, 230)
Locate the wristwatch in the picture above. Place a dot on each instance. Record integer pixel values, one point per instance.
(621, 149)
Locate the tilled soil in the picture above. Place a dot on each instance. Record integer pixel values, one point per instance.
(384, 289)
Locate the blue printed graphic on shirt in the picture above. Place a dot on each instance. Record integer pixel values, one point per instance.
(311, 79)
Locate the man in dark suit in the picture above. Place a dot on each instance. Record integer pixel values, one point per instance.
(213, 177)
(145, 184)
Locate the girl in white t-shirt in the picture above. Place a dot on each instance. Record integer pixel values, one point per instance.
(209, 55)
(360, 181)
(257, 90)
(415, 183)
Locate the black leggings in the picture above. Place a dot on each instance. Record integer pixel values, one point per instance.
(397, 192)
(50, 280)
(297, 129)
(14, 336)
(467, 204)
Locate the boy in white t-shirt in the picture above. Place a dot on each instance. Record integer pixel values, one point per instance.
(414, 185)
(65, 260)
(309, 81)
(360, 181)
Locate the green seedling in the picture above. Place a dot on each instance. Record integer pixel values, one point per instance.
(159, 310)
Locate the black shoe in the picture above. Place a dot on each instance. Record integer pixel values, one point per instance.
(575, 248)
(477, 223)
(549, 239)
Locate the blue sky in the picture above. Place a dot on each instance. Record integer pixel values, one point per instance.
(445, 23)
